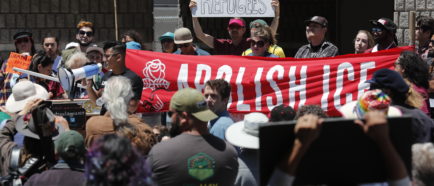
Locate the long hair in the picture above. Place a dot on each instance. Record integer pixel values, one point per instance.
(415, 69)
(112, 160)
(142, 140)
(414, 98)
(117, 95)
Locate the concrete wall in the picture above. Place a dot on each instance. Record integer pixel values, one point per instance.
(60, 17)
(401, 14)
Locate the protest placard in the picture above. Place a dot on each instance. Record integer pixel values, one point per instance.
(233, 8)
(19, 61)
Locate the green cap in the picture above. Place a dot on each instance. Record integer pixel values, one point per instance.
(260, 21)
(68, 143)
(192, 101)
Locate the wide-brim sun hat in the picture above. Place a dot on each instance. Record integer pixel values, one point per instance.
(245, 133)
(348, 111)
(23, 92)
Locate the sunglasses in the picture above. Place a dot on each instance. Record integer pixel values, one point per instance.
(22, 40)
(259, 44)
(377, 29)
(167, 41)
(183, 45)
(82, 32)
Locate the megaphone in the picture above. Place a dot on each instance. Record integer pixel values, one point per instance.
(68, 78)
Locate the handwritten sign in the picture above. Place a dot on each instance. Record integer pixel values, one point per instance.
(19, 61)
(233, 8)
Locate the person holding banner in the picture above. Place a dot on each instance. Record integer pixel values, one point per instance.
(316, 29)
(383, 30)
(273, 49)
(363, 41)
(260, 41)
(236, 29)
(184, 41)
(167, 43)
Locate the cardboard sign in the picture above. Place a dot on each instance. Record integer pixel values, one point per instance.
(19, 61)
(342, 154)
(233, 8)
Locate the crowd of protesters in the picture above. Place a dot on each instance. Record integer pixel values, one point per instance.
(204, 145)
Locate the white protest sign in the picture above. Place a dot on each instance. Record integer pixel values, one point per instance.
(233, 8)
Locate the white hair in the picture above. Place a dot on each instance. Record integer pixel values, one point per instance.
(423, 164)
(117, 95)
(77, 60)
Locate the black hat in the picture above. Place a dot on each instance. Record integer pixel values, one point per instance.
(386, 78)
(22, 35)
(385, 23)
(282, 113)
(317, 19)
(28, 127)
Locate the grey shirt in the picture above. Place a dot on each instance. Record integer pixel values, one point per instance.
(194, 160)
(326, 49)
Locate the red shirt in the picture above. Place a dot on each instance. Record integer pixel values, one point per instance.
(226, 47)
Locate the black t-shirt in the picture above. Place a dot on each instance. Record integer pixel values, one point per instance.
(136, 81)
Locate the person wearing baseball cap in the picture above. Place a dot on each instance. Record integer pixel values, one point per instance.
(204, 158)
(184, 43)
(237, 44)
(167, 43)
(383, 30)
(316, 29)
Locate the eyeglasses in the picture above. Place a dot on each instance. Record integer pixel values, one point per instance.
(183, 45)
(22, 40)
(259, 44)
(377, 29)
(82, 32)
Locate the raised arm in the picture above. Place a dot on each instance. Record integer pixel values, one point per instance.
(377, 129)
(275, 23)
(205, 38)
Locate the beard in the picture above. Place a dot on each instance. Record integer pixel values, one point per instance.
(175, 130)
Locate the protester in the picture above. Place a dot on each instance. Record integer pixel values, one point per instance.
(422, 167)
(370, 100)
(167, 42)
(24, 45)
(75, 61)
(115, 55)
(95, 54)
(363, 41)
(245, 134)
(131, 35)
(43, 64)
(201, 158)
(236, 29)
(260, 41)
(117, 95)
(162, 132)
(217, 93)
(69, 169)
(316, 28)
(424, 31)
(282, 113)
(384, 31)
(142, 139)
(307, 130)
(112, 160)
(414, 69)
(51, 46)
(406, 100)
(273, 49)
(184, 43)
(310, 109)
(84, 37)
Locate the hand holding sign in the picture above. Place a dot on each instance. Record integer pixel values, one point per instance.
(232, 8)
(19, 61)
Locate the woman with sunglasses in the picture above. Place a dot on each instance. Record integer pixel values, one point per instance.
(260, 41)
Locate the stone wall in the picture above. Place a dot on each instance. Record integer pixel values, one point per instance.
(59, 17)
(401, 14)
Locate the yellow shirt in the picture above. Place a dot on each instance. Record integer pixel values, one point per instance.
(273, 49)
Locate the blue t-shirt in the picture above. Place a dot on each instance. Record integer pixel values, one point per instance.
(199, 52)
(219, 125)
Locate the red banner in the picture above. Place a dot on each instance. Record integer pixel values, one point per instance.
(259, 84)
